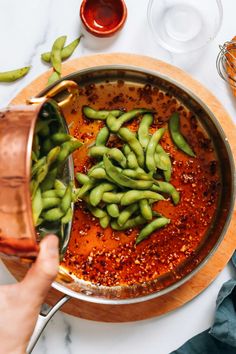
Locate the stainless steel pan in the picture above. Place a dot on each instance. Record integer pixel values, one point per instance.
(79, 289)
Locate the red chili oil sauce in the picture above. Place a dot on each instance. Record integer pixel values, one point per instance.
(111, 257)
(103, 15)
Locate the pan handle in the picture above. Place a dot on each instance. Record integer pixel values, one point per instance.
(42, 321)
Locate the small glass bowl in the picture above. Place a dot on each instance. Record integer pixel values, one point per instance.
(182, 26)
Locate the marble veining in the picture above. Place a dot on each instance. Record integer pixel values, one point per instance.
(28, 28)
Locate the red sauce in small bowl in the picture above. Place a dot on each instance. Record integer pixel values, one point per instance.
(103, 18)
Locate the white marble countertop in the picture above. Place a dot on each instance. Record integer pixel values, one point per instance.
(28, 28)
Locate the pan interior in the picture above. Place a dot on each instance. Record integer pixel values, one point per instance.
(151, 88)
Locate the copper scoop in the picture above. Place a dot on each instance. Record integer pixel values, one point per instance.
(17, 123)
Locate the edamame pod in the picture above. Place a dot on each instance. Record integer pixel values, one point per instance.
(165, 187)
(67, 199)
(85, 188)
(52, 155)
(66, 52)
(122, 180)
(100, 173)
(37, 205)
(67, 148)
(114, 153)
(53, 77)
(126, 135)
(113, 210)
(36, 167)
(50, 202)
(177, 137)
(105, 221)
(49, 180)
(59, 138)
(115, 124)
(136, 174)
(130, 224)
(13, 75)
(102, 114)
(82, 178)
(54, 214)
(127, 213)
(97, 192)
(134, 196)
(126, 150)
(102, 137)
(145, 209)
(151, 148)
(161, 158)
(132, 161)
(67, 217)
(97, 212)
(143, 131)
(53, 193)
(56, 53)
(151, 227)
(109, 197)
(59, 185)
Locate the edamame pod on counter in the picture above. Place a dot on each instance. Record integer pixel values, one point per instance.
(66, 52)
(13, 75)
(56, 53)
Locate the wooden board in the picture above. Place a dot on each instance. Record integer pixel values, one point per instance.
(180, 296)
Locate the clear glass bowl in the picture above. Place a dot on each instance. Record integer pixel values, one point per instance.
(182, 26)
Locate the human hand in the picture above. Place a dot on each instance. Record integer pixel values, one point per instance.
(20, 303)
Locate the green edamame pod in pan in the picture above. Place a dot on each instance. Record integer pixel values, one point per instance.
(165, 187)
(127, 213)
(143, 131)
(145, 209)
(133, 196)
(151, 227)
(96, 194)
(110, 197)
(122, 180)
(102, 114)
(130, 224)
(97, 212)
(82, 178)
(104, 222)
(151, 148)
(113, 210)
(102, 137)
(115, 124)
(177, 137)
(130, 138)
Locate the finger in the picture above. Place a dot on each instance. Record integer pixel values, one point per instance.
(40, 276)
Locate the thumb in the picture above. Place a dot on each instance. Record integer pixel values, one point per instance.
(40, 276)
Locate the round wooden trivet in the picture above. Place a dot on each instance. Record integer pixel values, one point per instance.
(180, 296)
